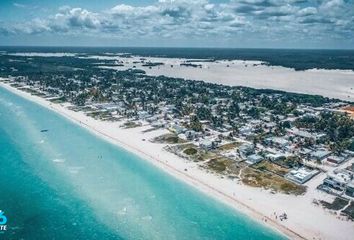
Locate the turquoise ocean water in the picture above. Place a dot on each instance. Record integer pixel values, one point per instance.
(69, 184)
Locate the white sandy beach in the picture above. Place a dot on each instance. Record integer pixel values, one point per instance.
(305, 220)
(329, 83)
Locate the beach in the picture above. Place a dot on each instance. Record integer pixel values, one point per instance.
(305, 220)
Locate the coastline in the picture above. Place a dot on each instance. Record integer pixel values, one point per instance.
(224, 190)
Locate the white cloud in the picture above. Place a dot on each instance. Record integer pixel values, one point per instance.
(195, 19)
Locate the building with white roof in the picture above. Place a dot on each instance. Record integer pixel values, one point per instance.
(301, 175)
(275, 156)
(206, 144)
(278, 141)
(320, 154)
(246, 149)
(254, 158)
(338, 180)
(335, 159)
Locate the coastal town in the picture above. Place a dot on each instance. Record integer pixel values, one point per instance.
(278, 141)
(177, 120)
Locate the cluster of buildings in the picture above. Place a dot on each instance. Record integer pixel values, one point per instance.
(269, 126)
(340, 182)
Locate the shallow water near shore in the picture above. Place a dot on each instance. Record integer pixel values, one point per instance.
(66, 183)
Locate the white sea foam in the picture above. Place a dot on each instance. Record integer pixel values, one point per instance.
(58, 160)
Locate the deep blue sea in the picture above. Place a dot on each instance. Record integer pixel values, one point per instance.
(69, 184)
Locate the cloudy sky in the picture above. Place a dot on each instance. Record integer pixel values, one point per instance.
(179, 23)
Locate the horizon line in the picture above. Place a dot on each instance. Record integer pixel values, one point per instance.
(172, 47)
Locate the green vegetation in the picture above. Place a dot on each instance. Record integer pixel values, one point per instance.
(32, 92)
(219, 165)
(102, 115)
(79, 82)
(229, 146)
(336, 205)
(290, 162)
(271, 167)
(349, 211)
(214, 112)
(266, 180)
(190, 151)
(351, 147)
(58, 100)
(340, 203)
(339, 129)
(206, 155)
(193, 152)
(130, 124)
(195, 124)
(168, 138)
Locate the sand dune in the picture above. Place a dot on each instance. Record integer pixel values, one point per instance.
(329, 83)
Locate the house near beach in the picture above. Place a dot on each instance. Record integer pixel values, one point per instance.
(301, 175)
(246, 149)
(206, 144)
(350, 189)
(338, 180)
(277, 141)
(320, 154)
(254, 158)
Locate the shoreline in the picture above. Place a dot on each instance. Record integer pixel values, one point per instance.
(207, 183)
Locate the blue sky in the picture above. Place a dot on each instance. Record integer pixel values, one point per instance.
(179, 23)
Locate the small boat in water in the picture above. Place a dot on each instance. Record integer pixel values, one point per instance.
(44, 130)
